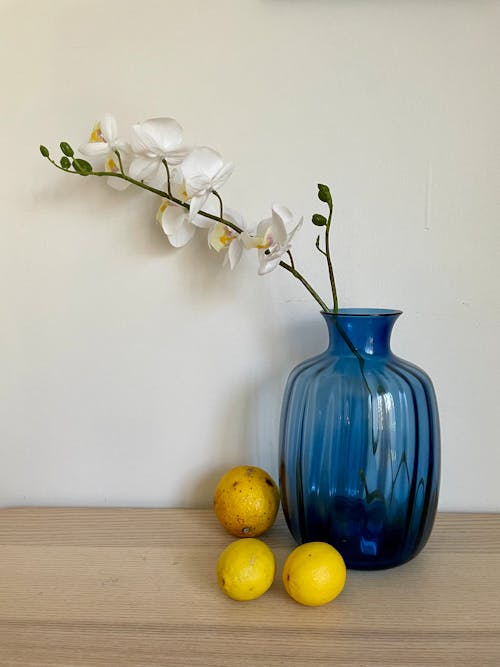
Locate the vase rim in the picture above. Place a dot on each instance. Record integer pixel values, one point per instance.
(364, 312)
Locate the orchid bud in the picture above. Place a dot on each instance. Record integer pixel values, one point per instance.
(319, 220)
(82, 167)
(324, 194)
(66, 149)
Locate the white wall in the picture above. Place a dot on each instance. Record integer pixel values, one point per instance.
(133, 374)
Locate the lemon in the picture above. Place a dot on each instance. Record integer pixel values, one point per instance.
(245, 569)
(246, 501)
(314, 574)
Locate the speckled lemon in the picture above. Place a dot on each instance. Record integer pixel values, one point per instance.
(246, 569)
(246, 501)
(314, 574)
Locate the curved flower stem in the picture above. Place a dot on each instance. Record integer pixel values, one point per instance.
(167, 195)
(168, 177)
(214, 192)
(329, 260)
(308, 287)
(117, 153)
(292, 263)
(149, 188)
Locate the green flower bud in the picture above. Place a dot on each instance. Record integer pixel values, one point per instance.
(65, 162)
(82, 166)
(44, 151)
(324, 194)
(319, 220)
(66, 149)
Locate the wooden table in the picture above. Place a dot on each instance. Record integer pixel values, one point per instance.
(136, 587)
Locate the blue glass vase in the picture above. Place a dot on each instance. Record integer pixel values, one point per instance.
(360, 445)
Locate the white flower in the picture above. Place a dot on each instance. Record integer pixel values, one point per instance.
(175, 220)
(103, 139)
(204, 171)
(222, 237)
(272, 239)
(103, 143)
(152, 141)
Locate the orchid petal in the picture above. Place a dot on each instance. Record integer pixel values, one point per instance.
(175, 224)
(117, 183)
(177, 156)
(268, 265)
(196, 204)
(222, 176)
(284, 213)
(182, 234)
(198, 184)
(201, 222)
(278, 230)
(202, 160)
(215, 236)
(94, 149)
(211, 206)
(109, 128)
(263, 226)
(156, 137)
(234, 252)
(295, 229)
(142, 168)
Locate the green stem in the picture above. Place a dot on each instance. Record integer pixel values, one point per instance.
(168, 177)
(329, 261)
(167, 195)
(117, 153)
(149, 188)
(221, 205)
(308, 287)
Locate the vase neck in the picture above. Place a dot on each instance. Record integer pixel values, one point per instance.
(364, 331)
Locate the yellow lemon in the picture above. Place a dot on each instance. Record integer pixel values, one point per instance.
(245, 569)
(314, 573)
(246, 501)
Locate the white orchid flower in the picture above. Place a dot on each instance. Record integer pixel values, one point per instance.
(204, 171)
(175, 220)
(272, 238)
(222, 237)
(103, 139)
(153, 141)
(103, 143)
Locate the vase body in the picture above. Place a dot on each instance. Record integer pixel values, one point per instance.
(360, 445)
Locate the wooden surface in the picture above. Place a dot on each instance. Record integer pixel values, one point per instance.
(130, 588)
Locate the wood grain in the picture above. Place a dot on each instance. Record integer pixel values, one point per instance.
(137, 588)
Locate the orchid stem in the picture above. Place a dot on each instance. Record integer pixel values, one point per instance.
(329, 259)
(149, 188)
(168, 177)
(117, 153)
(308, 287)
(214, 192)
(220, 218)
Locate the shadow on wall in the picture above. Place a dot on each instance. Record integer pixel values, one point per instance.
(255, 439)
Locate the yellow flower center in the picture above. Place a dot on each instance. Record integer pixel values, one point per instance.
(111, 165)
(226, 237)
(96, 135)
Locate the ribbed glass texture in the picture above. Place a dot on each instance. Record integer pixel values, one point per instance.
(360, 445)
